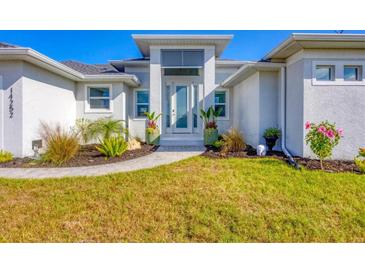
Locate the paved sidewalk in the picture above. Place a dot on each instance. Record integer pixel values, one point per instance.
(163, 156)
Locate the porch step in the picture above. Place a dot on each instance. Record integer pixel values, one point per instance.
(176, 142)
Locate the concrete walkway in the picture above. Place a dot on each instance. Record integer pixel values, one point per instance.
(163, 156)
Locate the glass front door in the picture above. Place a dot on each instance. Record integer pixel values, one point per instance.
(181, 113)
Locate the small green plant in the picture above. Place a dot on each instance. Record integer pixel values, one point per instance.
(5, 156)
(360, 160)
(152, 131)
(104, 128)
(218, 144)
(83, 129)
(272, 132)
(113, 146)
(61, 144)
(322, 138)
(233, 141)
(209, 117)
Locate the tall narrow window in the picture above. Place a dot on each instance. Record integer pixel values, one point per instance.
(195, 105)
(168, 106)
(220, 102)
(325, 73)
(142, 103)
(99, 98)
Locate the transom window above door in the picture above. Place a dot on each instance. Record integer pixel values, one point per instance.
(98, 99)
(142, 103)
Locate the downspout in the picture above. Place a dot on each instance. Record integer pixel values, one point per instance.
(283, 112)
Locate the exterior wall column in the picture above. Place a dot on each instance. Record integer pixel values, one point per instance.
(155, 82)
(209, 76)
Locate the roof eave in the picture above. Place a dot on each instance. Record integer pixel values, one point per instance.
(247, 70)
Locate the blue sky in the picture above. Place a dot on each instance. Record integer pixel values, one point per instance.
(96, 47)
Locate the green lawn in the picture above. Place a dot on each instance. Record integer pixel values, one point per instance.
(196, 200)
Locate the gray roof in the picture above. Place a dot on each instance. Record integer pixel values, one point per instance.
(7, 45)
(95, 69)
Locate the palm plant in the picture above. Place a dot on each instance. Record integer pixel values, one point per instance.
(82, 129)
(107, 127)
(152, 132)
(210, 117)
(152, 118)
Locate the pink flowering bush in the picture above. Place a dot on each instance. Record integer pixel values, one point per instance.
(322, 138)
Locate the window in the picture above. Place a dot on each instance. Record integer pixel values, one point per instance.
(220, 102)
(142, 103)
(325, 73)
(352, 73)
(182, 58)
(195, 105)
(99, 98)
(181, 71)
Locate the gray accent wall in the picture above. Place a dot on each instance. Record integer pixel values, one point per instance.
(294, 108)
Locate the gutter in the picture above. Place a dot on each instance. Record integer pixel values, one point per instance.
(283, 119)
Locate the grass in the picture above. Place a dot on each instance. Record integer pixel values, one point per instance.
(195, 200)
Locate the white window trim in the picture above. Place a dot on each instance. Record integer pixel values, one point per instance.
(339, 72)
(87, 102)
(135, 117)
(223, 118)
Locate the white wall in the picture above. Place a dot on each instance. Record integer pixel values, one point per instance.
(12, 133)
(255, 106)
(246, 108)
(269, 102)
(46, 97)
(339, 102)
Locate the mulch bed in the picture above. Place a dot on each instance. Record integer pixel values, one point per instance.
(87, 156)
(311, 164)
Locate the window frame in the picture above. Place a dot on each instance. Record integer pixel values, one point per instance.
(226, 117)
(332, 72)
(88, 108)
(135, 91)
(358, 74)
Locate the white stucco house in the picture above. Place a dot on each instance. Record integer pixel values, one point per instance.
(311, 77)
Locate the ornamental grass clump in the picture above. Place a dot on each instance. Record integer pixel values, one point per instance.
(233, 141)
(61, 144)
(322, 138)
(360, 160)
(5, 156)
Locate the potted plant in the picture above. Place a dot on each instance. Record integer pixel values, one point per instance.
(152, 130)
(210, 130)
(271, 135)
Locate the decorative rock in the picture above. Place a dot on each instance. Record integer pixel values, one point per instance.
(261, 150)
(133, 144)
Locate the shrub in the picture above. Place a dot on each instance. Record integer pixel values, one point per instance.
(322, 138)
(83, 129)
(218, 143)
(360, 160)
(61, 145)
(113, 146)
(272, 132)
(209, 117)
(105, 128)
(233, 141)
(5, 156)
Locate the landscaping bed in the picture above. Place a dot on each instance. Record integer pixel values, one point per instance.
(87, 156)
(311, 164)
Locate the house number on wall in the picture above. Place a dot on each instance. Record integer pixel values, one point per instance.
(11, 104)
